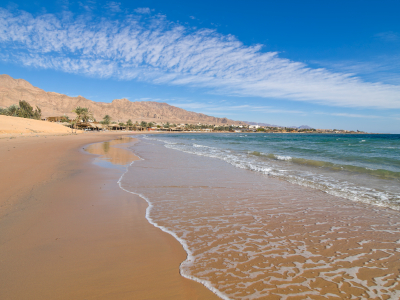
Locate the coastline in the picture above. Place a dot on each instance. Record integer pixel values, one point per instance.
(68, 231)
(74, 227)
(281, 240)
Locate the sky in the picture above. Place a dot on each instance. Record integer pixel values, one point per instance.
(326, 64)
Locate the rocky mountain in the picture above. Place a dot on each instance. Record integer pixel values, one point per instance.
(55, 104)
(304, 127)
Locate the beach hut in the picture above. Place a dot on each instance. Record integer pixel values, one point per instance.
(67, 124)
(114, 127)
(55, 119)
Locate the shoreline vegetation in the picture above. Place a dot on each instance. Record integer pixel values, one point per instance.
(85, 120)
(22, 110)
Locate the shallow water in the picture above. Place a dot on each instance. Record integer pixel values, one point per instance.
(111, 155)
(363, 168)
(250, 236)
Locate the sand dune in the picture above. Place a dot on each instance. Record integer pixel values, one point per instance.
(20, 126)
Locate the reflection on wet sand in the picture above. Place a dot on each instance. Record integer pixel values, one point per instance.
(115, 155)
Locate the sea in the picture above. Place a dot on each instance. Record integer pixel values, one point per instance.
(277, 216)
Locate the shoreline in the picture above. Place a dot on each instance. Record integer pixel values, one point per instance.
(362, 181)
(189, 253)
(243, 224)
(78, 229)
(65, 236)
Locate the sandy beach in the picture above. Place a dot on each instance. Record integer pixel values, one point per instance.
(67, 231)
(72, 226)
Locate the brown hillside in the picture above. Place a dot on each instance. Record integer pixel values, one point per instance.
(54, 104)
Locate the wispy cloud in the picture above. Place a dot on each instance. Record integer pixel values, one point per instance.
(143, 10)
(350, 115)
(355, 115)
(114, 6)
(152, 49)
(383, 69)
(388, 36)
(88, 5)
(215, 107)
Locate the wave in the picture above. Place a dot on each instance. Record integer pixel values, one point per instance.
(380, 173)
(289, 168)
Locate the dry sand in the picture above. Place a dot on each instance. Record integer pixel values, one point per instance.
(14, 126)
(68, 232)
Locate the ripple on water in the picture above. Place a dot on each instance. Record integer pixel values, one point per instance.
(253, 237)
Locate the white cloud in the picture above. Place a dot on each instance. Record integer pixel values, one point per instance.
(86, 6)
(347, 115)
(158, 51)
(143, 10)
(355, 115)
(386, 70)
(214, 108)
(114, 6)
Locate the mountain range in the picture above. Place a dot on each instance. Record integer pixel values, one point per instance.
(54, 104)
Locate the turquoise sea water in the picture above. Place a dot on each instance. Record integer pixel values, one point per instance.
(363, 168)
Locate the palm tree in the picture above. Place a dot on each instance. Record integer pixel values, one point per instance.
(143, 124)
(106, 120)
(129, 124)
(82, 115)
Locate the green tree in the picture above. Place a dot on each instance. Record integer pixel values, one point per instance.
(129, 124)
(143, 124)
(106, 120)
(24, 110)
(65, 119)
(82, 115)
(167, 125)
(12, 110)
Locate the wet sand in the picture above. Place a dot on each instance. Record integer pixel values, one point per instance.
(67, 231)
(251, 236)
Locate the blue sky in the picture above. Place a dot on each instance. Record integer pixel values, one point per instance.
(326, 64)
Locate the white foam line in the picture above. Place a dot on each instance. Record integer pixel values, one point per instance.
(343, 192)
(189, 258)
